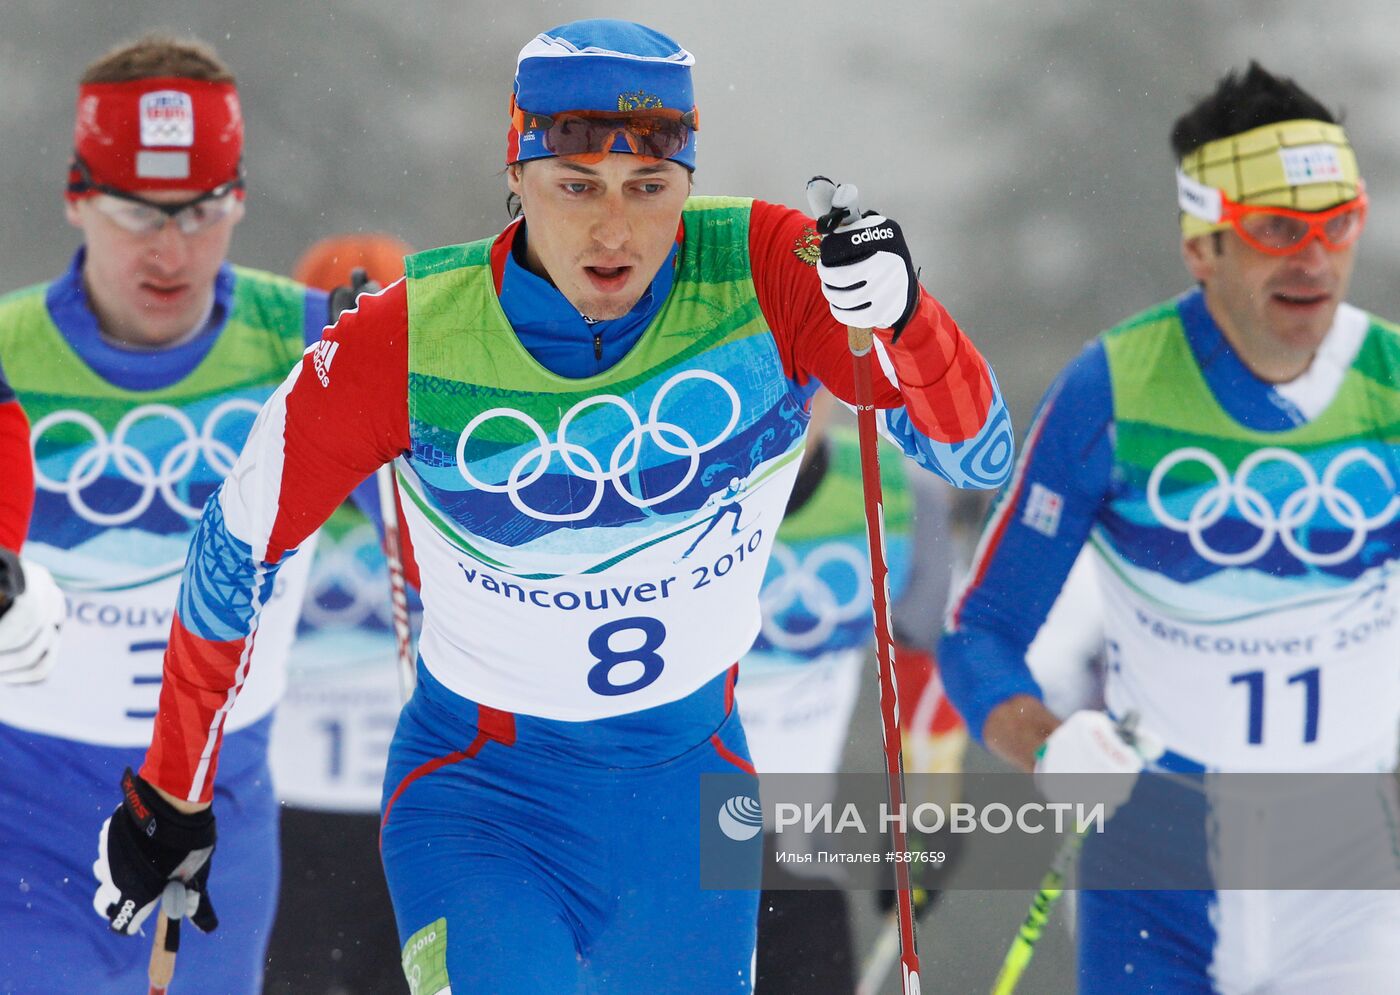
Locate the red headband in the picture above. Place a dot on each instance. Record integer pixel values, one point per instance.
(161, 133)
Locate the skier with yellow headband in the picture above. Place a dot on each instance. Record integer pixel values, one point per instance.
(1231, 459)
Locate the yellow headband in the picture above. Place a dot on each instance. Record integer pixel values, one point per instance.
(1304, 165)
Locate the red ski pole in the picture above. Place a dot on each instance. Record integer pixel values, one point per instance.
(861, 341)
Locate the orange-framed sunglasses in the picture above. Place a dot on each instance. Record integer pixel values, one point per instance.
(588, 136)
(1281, 231)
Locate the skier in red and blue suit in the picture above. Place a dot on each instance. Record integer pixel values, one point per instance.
(567, 406)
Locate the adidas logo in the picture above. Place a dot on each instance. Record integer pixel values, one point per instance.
(872, 235)
(124, 916)
(322, 355)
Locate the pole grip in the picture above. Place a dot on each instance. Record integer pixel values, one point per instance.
(166, 941)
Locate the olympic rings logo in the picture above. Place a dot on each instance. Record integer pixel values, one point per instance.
(354, 566)
(134, 464)
(583, 464)
(801, 582)
(1285, 524)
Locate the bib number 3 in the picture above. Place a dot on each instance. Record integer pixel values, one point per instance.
(619, 656)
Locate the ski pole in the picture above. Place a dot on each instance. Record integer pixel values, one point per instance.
(166, 942)
(398, 593)
(1052, 886)
(861, 343)
(1018, 957)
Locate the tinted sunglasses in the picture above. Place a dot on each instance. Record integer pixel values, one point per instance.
(588, 136)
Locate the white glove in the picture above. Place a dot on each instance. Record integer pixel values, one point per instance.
(30, 625)
(1089, 743)
(866, 271)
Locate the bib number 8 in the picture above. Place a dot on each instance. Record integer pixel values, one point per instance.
(601, 645)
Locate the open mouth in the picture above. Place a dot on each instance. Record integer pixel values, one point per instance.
(608, 278)
(1302, 300)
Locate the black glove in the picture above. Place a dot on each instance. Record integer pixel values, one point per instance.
(867, 274)
(343, 298)
(145, 843)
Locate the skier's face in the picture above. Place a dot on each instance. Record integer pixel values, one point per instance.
(1275, 310)
(150, 288)
(600, 232)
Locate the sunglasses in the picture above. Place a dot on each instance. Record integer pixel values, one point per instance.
(140, 216)
(588, 136)
(1280, 231)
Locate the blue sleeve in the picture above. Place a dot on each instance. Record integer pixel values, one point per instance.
(315, 314)
(6, 394)
(1032, 537)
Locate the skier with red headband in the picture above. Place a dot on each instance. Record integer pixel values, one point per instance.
(141, 369)
(569, 406)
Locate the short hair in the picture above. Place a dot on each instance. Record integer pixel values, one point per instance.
(158, 54)
(1242, 102)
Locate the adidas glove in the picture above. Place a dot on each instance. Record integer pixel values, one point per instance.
(866, 271)
(146, 843)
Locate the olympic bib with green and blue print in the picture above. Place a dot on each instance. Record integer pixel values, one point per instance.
(816, 594)
(597, 545)
(1251, 586)
(121, 478)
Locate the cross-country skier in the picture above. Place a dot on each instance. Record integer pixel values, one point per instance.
(1231, 455)
(561, 402)
(141, 368)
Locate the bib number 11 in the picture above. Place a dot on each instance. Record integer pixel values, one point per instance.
(1309, 680)
(619, 655)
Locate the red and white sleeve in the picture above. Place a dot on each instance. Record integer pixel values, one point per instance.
(339, 415)
(933, 371)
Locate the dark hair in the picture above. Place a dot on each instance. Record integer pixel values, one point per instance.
(1240, 103)
(158, 54)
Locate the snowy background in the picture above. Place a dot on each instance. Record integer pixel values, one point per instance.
(1022, 145)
